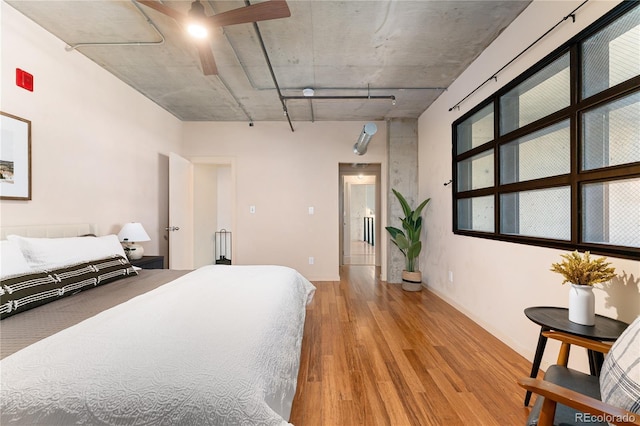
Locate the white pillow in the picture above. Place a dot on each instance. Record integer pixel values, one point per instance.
(47, 253)
(12, 261)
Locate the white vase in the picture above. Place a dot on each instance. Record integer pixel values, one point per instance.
(582, 304)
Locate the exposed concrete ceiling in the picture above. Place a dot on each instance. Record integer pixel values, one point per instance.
(412, 50)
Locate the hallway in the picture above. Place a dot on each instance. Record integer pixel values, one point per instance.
(362, 253)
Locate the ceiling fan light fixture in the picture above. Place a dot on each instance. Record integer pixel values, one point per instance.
(196, 27)
(197, 10)
(197, 30)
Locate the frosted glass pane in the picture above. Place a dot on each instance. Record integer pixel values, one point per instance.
(544, 213)
(611, 134)
(476, 172)
(476, 214)
(541, 154)
(543, 93)
(475, 130)
(612, 55)
(611, 212)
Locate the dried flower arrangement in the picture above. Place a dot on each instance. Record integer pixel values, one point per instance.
(583, 270)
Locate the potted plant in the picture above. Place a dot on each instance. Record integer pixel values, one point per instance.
(583, 272)
(409, 243)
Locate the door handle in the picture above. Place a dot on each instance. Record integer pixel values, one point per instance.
(172, 228)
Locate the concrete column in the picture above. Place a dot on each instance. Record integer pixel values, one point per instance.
(402, 154)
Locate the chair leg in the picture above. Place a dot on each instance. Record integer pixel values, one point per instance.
(535, 367)
(547, 413)
(563, 355)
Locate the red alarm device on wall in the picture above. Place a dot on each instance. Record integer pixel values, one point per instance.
(24, 79)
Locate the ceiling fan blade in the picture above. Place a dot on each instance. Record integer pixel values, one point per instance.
(272, 9)
(209, 66)
(180, 17)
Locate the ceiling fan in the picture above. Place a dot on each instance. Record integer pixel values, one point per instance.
(198, 22)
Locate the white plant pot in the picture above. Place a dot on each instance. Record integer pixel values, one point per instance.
(582, 304)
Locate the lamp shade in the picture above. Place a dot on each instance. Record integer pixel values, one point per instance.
(133, 232)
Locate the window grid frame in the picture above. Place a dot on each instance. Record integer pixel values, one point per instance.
(576, 177)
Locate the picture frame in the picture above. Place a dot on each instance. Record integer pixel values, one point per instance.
(15, 157)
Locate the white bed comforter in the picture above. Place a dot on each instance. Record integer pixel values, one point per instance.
(218, 346)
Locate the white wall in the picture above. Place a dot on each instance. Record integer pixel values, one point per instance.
(98, 147)
(495, 281)
(283, 173)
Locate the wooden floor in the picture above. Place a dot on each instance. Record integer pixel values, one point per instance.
(375, 355)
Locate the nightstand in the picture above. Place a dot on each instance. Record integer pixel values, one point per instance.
(149, 262)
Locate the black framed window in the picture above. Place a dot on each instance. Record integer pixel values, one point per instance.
(553, 158)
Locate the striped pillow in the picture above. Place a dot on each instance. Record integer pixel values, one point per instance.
(620, 374)
(112, 268)
(22, 292)
(74, 278)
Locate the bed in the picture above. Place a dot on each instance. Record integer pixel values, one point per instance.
(215, 346)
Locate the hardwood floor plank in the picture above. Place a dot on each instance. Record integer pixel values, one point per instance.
(439, 411)
(393, 404)
(478, 413)
(373, 354)
(374, 410)
(394, 338)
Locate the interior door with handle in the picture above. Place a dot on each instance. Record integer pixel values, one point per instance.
(181, 224)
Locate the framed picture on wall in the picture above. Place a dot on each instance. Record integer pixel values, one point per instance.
(15, 157)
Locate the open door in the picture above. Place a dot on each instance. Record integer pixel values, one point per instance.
(180, 212)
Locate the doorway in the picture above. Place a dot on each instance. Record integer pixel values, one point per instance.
(359, 213)
(201, 202)
(211, 209)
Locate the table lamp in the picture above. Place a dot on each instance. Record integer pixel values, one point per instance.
(129, 236)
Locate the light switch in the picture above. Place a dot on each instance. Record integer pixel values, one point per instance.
(310, 210)
(252, 209)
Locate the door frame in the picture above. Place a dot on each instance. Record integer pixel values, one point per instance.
(354, 169)
(231, 162)
(211, 160)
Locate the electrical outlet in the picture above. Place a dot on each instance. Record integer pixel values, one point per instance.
(311, 210)
(311, 260)
(450, 276)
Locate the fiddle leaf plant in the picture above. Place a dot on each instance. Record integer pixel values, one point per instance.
(408, 241)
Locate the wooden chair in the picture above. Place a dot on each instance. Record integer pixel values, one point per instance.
(568, 397)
